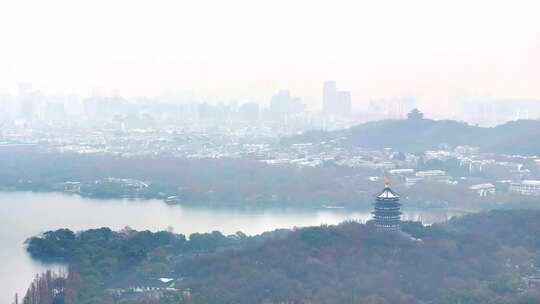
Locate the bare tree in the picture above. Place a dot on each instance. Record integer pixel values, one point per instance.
(44, 288)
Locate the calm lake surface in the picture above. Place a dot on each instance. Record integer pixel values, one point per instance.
(25, 214)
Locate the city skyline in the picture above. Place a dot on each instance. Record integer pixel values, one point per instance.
(429, 51)
(30, 103)
(217, 152)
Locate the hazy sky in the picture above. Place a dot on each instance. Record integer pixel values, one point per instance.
(252, 48)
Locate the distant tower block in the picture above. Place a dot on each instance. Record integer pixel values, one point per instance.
(387, 214)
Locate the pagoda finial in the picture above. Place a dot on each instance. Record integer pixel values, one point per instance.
(387, 183)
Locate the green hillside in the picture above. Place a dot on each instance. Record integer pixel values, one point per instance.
(517, 137)
(484, 258)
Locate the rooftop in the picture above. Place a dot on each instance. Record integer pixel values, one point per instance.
(387, 193)
(482, 186)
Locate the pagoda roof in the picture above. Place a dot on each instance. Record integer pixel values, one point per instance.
(387, 194)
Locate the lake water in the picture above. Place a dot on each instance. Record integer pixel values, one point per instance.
(25, 214)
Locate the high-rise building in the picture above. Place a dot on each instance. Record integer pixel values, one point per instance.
(284, 105)
(387, 214)
(335, 103)
(392, 108)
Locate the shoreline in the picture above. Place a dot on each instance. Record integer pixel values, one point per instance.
(253, 206)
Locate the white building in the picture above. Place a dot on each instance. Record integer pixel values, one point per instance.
(430, 173)
(433, 175)
(483, 189)
(411, 181)
(402, 172)
(526, 187)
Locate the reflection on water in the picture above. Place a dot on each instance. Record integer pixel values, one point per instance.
(24, 214)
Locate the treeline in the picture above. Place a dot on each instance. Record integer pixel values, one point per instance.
(192, 181)
(486, 258)
(216, 182)
(104, 259)
(420, 135)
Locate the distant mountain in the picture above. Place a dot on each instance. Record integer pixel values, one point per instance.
(416, 135)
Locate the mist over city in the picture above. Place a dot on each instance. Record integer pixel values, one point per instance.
(299, 152)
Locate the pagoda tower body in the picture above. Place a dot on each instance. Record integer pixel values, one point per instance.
(387, 214)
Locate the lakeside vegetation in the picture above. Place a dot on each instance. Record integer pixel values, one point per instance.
(225, 182)
(490, 258)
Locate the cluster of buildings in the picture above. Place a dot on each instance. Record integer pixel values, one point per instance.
(150, 289)
(489, 111)
(482, 173)
(31, 108)
(391, 108)
(113, 124)
(485, 174)
(526, 187)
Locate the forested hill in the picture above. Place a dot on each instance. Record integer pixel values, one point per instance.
(409, 135)
(485, 258)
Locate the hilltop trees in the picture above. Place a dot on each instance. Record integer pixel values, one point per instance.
(485, 258)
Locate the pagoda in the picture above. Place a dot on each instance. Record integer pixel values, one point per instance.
(387, 214)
